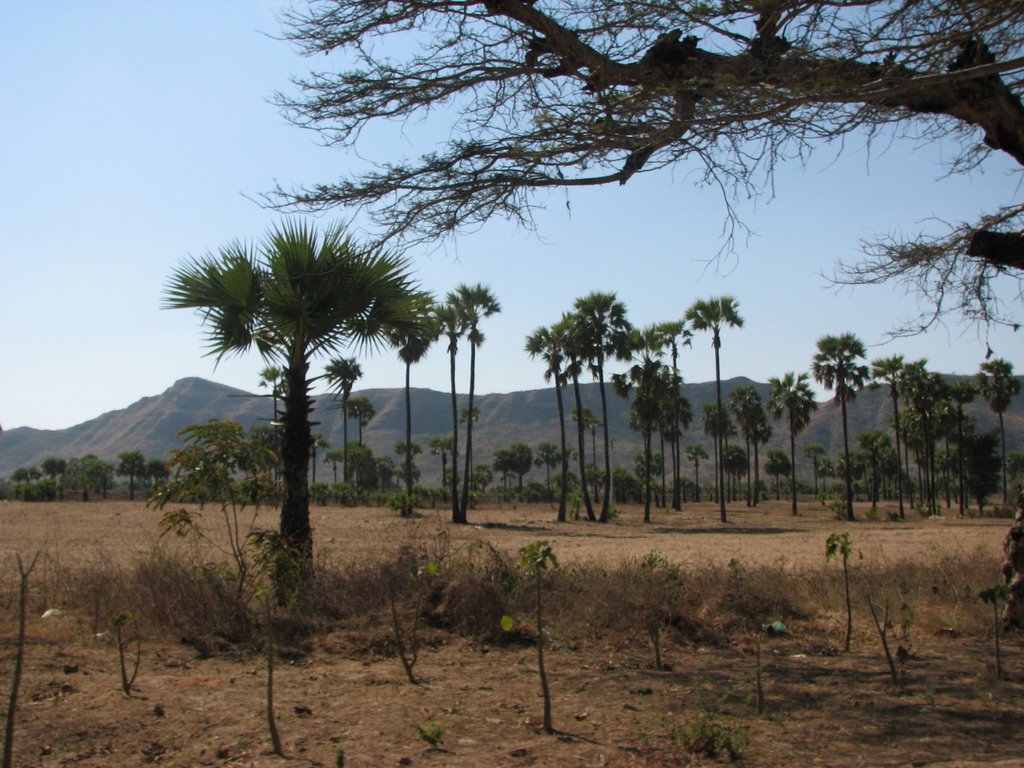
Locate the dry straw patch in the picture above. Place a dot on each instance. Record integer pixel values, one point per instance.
(705, 587)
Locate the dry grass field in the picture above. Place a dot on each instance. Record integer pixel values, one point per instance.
(199, 699)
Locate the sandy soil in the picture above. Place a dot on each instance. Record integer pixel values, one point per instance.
(610, 707)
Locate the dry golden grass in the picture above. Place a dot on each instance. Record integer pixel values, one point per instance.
(201, 702)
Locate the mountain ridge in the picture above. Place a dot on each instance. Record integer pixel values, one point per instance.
(151, 424)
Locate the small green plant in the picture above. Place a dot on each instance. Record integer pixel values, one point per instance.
(710, 736)
(535, 558)
(433, 733)
(23, 574)
(407, 642)
(575, 499)
(221, 465)
(119, 622)
(841, 544)
(996, 596)
(339, 754)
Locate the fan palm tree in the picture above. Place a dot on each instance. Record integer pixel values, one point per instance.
(814, 452)
(694, 454)
(604, 333)
(296, 295)
(441, 446)
(271, 377)
(451, 326)
(341, 374)
(835, 367)
(317, 442)
(718, 426)
(961, 393)
(760, 434)
(549, 345)
(473, 303)
(792, 394)
(925, 392)
(999, 386)
(412, 346)
(713, 315)
(573, 369)
(650, 383)
(890, 371)
(676, 334)
(362, 410)
(746, 405)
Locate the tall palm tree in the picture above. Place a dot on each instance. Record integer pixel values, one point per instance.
(604, 333)
(890, 370)
(760, 434)
(441, 446)
(926, 392)
(549, 345)
(451, 326)
(718, 426)
(961, 393)
(676, 334)
(814, 452)
(341, 374)
(694, 453)
(650, 382)
(296, 295)
(999, 386)
(746, 405)
(362, 411)
(473, 303)
(713, 315)
(835, 367)
(573, 368)
(318, 441)
(271, 377)
(793, 395)
(412, 346)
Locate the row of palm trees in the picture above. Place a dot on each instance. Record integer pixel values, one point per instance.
(300, 294)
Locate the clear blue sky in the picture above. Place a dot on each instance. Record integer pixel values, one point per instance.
(136, 134)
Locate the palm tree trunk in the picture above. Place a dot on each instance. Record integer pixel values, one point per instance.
(846, 456)
(718, 437)
(606, 500)
(792, 460)
(1002, 440)
(647, 476)
(457, 516)
(757, 476)
(899, 468)
(960, 457)
(469, 433)
(407, 506)
(750, 494)
(582, 442)
(295, 447)
(563, 491)
(344, 439)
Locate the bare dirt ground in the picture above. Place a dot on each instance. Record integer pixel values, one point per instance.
(611, 708)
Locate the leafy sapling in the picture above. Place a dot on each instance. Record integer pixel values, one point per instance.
(841, 544)
(534, 559)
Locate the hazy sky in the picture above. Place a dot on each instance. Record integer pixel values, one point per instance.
(136, 134)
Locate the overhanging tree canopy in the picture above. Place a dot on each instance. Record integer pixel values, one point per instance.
(562, 93)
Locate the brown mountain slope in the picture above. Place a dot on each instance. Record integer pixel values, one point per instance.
(151, 424)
